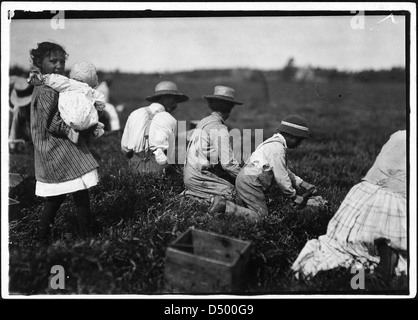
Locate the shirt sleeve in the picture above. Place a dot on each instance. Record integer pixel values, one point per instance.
(57, 82)
(163, 129)
(160, 156)
(277, 160)
(296, 181)
(47, 101)
(99, 99)
(125, 137)
(225, 153)
(171, 151)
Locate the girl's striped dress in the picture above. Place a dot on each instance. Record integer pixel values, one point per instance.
(61, 166)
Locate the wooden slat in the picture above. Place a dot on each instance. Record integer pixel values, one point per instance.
(204, 262)
(15, 179)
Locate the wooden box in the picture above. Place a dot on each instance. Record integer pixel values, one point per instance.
(14, 209)
(204, 262)
(15, 179)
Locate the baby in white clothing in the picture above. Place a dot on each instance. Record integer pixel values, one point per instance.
(78, 102)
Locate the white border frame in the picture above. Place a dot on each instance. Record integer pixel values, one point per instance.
(203, 6)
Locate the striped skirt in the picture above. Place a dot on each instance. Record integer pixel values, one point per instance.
(368, 213)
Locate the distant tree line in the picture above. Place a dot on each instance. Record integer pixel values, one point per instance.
(391, 75)
(292, 72)
(287, 74)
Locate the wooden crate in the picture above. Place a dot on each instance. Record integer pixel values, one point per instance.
(15, 179)
(204, 262)
(14, 209)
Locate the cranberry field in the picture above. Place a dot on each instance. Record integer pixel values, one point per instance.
(138, 216)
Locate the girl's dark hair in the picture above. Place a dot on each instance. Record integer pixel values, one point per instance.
(43, 50)
(220, 106)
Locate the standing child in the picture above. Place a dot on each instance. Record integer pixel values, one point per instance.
(78, 102)
(61, 166)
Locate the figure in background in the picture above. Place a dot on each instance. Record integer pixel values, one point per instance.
(148, 138)
(211, 167)
(109, 116)
(20, 99)
(268, 165)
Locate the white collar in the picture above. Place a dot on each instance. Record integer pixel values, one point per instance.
(278, 137)
(156, 107)
(217, 115)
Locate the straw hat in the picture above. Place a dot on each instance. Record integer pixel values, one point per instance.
(22, 92)
(223, 93)
(294, 125)
(165, 88)
(85, 72)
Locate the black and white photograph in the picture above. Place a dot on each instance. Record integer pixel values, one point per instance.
(226, 150)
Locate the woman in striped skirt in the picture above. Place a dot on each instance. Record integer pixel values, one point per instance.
(369, 228)
(61, 166)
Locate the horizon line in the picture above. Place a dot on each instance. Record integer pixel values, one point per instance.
(117, 70)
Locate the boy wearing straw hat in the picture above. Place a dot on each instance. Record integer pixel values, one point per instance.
(148, 138)
(210, 162)
(268, 165)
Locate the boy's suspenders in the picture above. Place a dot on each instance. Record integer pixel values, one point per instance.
(263, 143)
(147, 127)
(145, 161)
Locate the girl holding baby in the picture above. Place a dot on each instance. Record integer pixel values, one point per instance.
(62, 166)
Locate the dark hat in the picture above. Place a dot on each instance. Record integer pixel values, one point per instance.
(21, 94)
(294, 125)
(167, 88)
(225, 94)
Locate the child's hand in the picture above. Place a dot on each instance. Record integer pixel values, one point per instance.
(299, 202)
(160, 156)
(73, 135)
(99, 130)
(35, 78)
(316, 201)
(308, 187)
(99, 105)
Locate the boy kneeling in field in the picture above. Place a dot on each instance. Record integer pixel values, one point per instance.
(267, 165)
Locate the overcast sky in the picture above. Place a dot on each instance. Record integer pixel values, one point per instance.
(177, 44)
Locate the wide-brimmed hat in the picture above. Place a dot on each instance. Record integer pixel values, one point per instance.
(294, 125)
(22, 92)
(223, 93)
(167, 88)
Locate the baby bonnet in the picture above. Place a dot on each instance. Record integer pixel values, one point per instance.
(86, 72)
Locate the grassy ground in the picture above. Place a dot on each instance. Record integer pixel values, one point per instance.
(137, 217)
